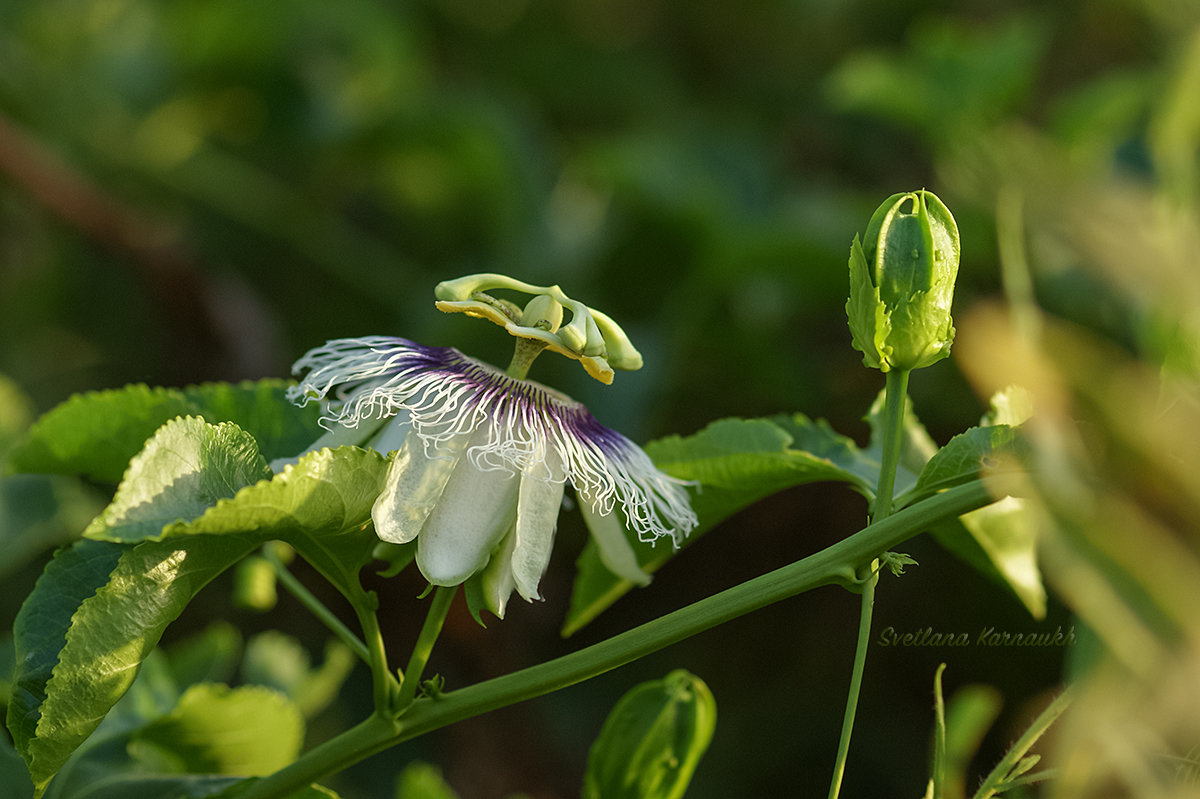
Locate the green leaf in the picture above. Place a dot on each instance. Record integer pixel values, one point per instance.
(39, 512)
(95, 614)
(321, 506)
(736, 462)
(193, 478)
(262, 409)
(101, 606)
(970, 714)
(210, 655)
(420, 780)
(41, 626)
(144, 786)
(97, 433)
(215, 729)
(13, 774)
(276, 660)
(1000, 541)
(963, 459)
(182, 471)
(744, 454)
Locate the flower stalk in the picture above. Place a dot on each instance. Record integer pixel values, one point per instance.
(443, 596)
(895, 400)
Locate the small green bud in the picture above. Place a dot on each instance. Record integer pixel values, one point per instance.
(254, 584)
(902, 283)
(652, 740)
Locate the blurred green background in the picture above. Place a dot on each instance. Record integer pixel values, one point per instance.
(202, 190)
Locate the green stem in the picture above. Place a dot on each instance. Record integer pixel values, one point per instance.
(832, 565)
(895, 398)
(860, 659)
(998, 778)
(314, 606)
(334, 755)
(443, 596)
(383, 685)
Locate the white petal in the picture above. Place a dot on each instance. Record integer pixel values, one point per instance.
(392, 436)
(476, 509)
(537, 516)
(415, 482)
(496, 580)
(616, 553)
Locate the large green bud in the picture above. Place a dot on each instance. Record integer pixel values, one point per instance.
(902, 283)
(652, 740)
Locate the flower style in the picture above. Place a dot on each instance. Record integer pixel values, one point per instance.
(481, 462)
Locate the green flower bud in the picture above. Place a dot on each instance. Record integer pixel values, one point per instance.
(902, 283)
(652, 740)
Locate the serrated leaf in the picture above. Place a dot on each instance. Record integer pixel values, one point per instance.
(106, 614)
(93, 617)
(963, 459)
(40, 629)
(183, 470)
(194, 478)
(736, 462)
(321, 506)
(215, 729)
(262, 409)
(97, 433)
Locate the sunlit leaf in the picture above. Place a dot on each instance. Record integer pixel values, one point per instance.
(963, 459)
(184, 469)
(96, 434)
(999, 540)
(215, 729)
(102, 606)
(97, 611)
